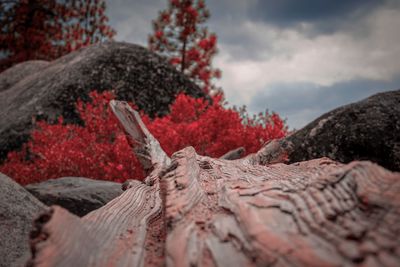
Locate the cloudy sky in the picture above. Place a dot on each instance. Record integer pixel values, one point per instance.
(299, 58)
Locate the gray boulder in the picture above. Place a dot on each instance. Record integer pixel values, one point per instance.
(13, 75)
(76, 194)
(133, 72)
(365, 130)
(18, 209)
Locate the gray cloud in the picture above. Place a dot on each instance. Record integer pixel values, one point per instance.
(366, 50)
(299, 58)
(289, 12)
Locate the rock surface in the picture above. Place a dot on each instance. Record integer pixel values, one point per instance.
(13, 75)
(18, 209)
(76, 194)
(134, 73)
(365, 130)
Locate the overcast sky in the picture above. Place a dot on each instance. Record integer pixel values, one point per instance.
(300, 58)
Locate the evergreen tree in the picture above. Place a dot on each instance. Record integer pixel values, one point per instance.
(180, 35)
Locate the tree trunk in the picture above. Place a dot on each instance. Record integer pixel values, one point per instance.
(199, 211)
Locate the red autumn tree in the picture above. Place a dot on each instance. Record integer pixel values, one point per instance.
(180, 35)
(48, 29)
(100, 150)
(91, 28)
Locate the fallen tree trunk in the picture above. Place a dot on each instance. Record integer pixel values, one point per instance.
(199, 211)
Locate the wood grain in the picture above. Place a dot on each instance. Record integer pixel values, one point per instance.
(314, 213)
(201, 211)
(114, 235)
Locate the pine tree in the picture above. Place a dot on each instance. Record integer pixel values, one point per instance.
(180, 35)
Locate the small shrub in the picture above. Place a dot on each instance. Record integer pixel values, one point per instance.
(100, 150)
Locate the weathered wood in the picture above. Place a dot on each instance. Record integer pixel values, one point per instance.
(234, 154)
(315, 213)
(200, 211)
(119, 233)
(275, 151)
(146, 148)
(114, 235)
(143, 143)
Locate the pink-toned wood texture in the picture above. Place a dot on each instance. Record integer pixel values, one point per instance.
(200, 211)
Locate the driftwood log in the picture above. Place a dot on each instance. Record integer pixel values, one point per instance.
(193, 210)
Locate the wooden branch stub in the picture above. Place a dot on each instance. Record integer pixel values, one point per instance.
(275, 151)
(144, 145)
(234, 154)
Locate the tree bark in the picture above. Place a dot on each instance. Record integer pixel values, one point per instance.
(200, 211)
(234, 154)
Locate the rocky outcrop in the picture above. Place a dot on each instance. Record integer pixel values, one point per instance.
(20, 71)
(365, 130)
(132, 71)
(18, 209)
(76, 194)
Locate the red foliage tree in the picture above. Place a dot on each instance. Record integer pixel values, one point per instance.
(179, 35)
(48, 29)
(100, 150)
